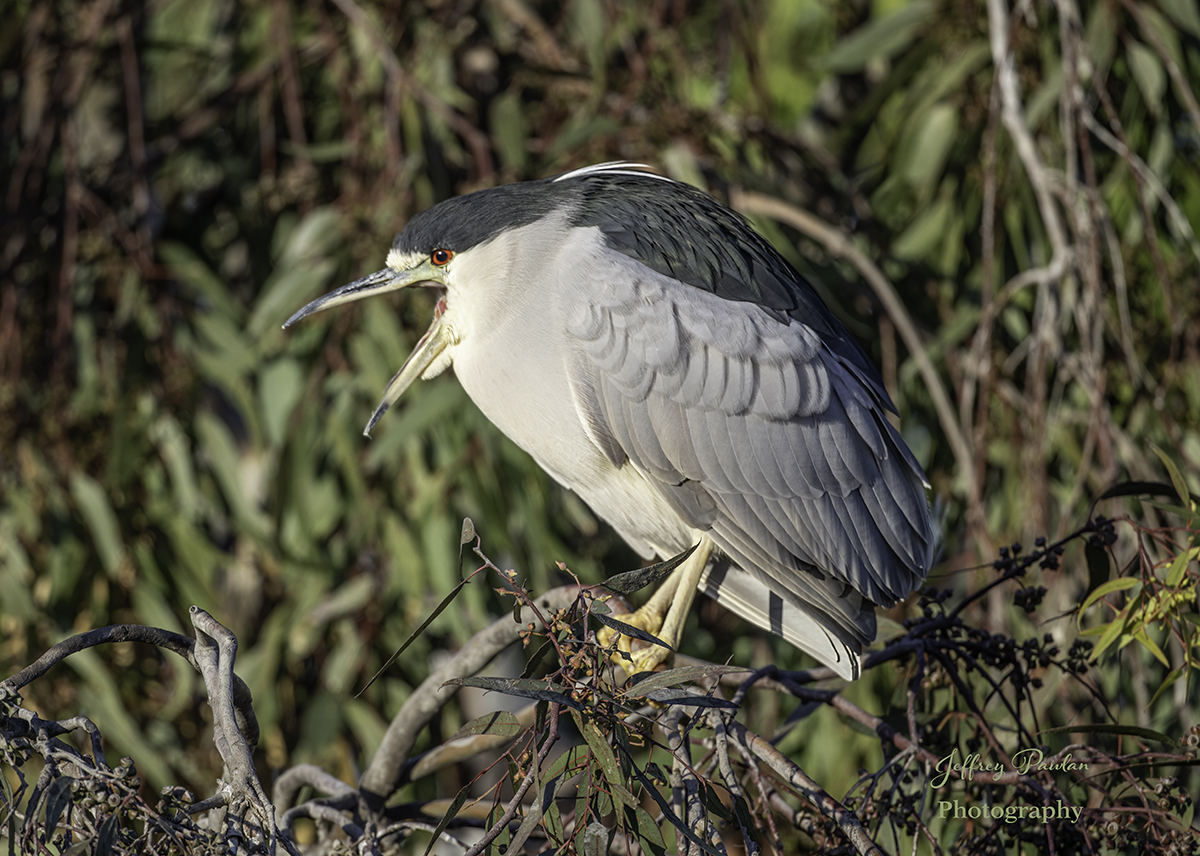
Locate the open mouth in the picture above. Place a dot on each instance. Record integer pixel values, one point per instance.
(429, 347)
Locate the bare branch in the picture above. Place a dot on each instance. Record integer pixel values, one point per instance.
(383, 774)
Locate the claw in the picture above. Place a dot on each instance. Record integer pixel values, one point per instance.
(663, 615)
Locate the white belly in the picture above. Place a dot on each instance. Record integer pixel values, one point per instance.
(528, 397)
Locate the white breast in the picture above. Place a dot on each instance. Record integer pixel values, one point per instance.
(512, 362)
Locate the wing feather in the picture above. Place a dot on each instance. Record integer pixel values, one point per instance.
(755, 431)
(678, 446)
(778, 394)
(765, 458)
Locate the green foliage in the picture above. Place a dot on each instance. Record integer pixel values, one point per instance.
(1163, 594)
(179, 176)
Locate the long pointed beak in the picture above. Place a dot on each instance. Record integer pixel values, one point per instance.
(372, 284)
(428, 349)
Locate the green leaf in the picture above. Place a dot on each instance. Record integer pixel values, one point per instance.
(538, 656)
(197, 278)
(712, 802)
(603, 754)
(288, 288)
(681, 828)
(521, 687)
(1177, 479)
(1179, 566)
(1108, 635)
(648, 681)
(56, 800)
(1127, 730)
(631, 581)
(1119, 584)
(567, 760)
(1178, 510)
(345, 600)
(688, 699)
(500, 723)
(927, 231)
(1140, 488)
(930, 142)
(1185, 13)
(1149, 73)
(577, 132)
(222, 353)
(508, 130)
(446, 601)
(175, 448)
(595, 839)
(746, 823)
(649, 833)
(880, 37)
(631, 631)
(554, 825)
(1151, 646)
(451, 813)
(106, 838)
(1169, 680)
(280, 385)
(221, 449)
(92, 502)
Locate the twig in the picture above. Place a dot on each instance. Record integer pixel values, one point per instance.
(289, 783)
(535, 765)
(428, 699)
(181, 645)
(753, 746)
(731, 782)
(1012, 114)
(1140, 169)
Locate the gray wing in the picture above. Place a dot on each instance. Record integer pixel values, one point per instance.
(754, 431)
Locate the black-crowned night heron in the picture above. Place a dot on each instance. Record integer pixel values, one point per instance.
(658, 357)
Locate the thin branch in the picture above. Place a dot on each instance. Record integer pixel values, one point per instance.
(510, 811)
(759, 749)
(115, 633)
(428, 699)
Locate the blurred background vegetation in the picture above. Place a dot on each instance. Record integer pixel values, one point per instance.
(179, 176)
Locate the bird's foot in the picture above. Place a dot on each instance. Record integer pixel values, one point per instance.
(648, 655)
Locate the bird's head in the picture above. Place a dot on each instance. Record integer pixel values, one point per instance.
(435, 350)
(461, 247)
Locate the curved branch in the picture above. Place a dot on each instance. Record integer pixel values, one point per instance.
(757, 749)
(156, 636)
(215, 651)
(383, 774)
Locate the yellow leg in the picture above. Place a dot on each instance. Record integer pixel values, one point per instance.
(656, 617)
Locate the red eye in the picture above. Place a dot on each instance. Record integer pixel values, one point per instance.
(441, 257)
